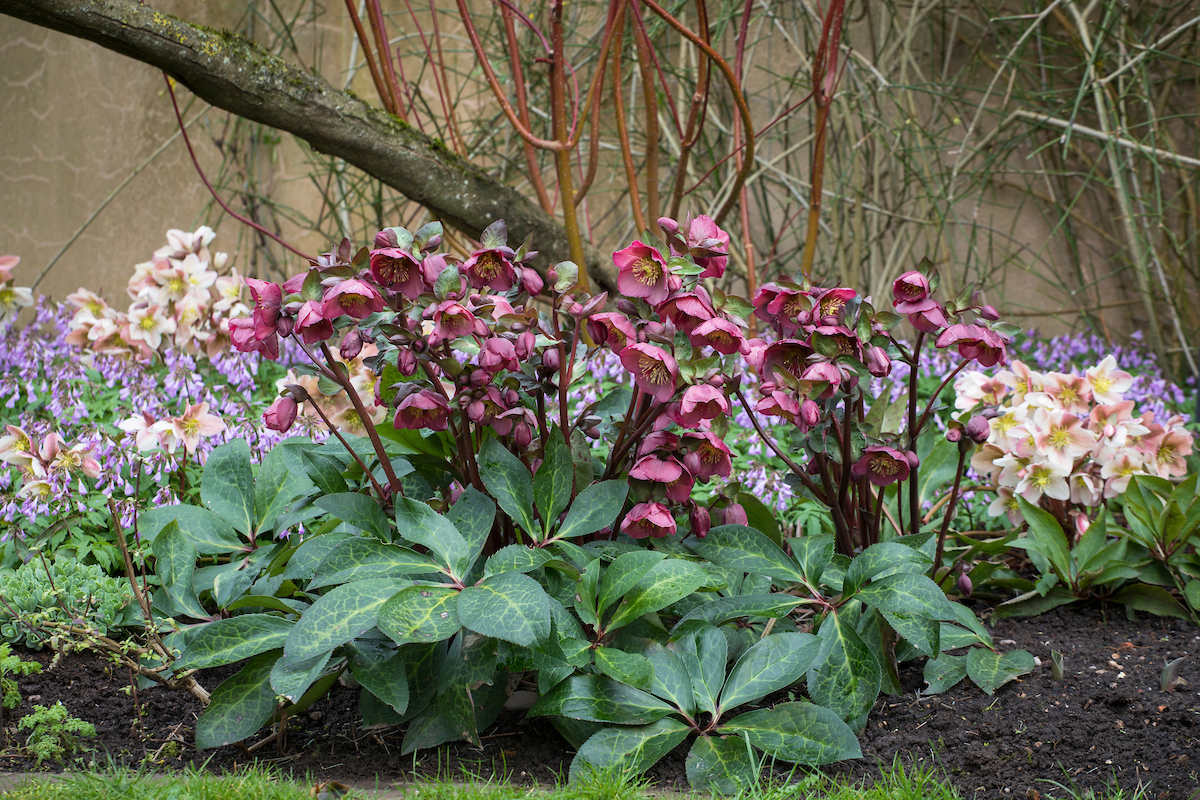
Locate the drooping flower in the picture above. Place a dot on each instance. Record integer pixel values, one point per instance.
(642, 272)
(974, 342)
(687, 309)
(883, 465)
(281, 415)
(268, 297)
(708, 456)
(451, 320)
(701, 402)
(611, 329)
(423, 409)
(722, 335)
(353, 298)
(654, 370)
(910, 293)
(312, 325)
(491, 269)
(648, 519)
(397, 269)
(12, 300)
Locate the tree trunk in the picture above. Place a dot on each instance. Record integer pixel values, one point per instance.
(234, 74)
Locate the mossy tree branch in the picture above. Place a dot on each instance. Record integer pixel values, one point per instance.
(234, 74)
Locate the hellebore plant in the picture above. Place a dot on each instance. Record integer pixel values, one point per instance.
(848, 446)
(474, 530)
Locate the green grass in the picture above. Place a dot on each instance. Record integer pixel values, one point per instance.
(257, 783)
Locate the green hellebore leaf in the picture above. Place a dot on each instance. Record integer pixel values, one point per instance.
(343, 614)
(632, 751)
(802, 733)
(422, 613)
(509, 606)
(991, 670)
(240, 706)
(226, 641)
(227, 485)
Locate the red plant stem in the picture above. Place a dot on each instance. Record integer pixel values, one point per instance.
(696, 116)
(941, 540)
(368, 425)
(635, 201)
(562, 160)
(651, 100)
(744, 195)
(358, 460)
(658, 70)
(444, 86)
(592, 105)
(824, 65)
(196, 163)
(796, 469)
(738, 98)
(375, 14)
(412, 103)
(518, 77)
(380, 86)
(914, 491)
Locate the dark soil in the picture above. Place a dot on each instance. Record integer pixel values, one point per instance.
(1107, 721)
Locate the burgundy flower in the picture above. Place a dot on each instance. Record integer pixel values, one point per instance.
(824, 372)
(311, 324)
(352, 345)
(979, 428)
(497, 354)
(848, 343)
(648, 519)
(779, 404)
(721, 335)
(422, 410)
(490, 268)
(709, 246)
(612, 329)
(781, 305)
(667, 471)
(829, 303)
(701, 402)
(397, 269)
(687, 309)
(790, 355)
(709, 456)
(531, 282)
(931, 320)
(642, 272)
(243, 334)
(452, 320)
(884, 465)
(910, 293)
(353, 298)
(281, 414)
(654, 370)
(810, 412)
(974, 342)
(268, 297)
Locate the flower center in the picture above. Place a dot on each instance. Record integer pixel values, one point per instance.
(647, 270)
(654, 371)
(1059, 438)
(1068, 396)
(148, 323)
(488, 265)
(884, 466)
(1101, 384)
(7, 296)
(351, 300)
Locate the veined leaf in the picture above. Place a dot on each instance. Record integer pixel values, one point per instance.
(846, 676)
(227, 485)
(207, 532)
(769, 664)
(625, 572)
(275, 487)
(240, 706)
(422, 613)
(595, 508)
(509, 606)
(908, 594)
(386, 679)
(309, 555)
(418, 523)
(881, 559)
(291, 679)
(671, 679)
(667, 582)
(704, 655)
(509, 482)
(175, 559)
(745, 549)
(944, 671)
(472, 517)
(721, 764)
(990, 670)
(1046, 537)
(362, 558)
(802, 733)
(346, 613)
(633, 750)
(598, 698)
(516, 558)
(555, 479)
(226, 641)
(631, 668)
(723, 609)
(358, 511)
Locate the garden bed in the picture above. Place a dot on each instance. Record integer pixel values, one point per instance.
(1106, 720)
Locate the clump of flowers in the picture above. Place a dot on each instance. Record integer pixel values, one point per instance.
(1065, 440)
(817, 374)
(179, 297)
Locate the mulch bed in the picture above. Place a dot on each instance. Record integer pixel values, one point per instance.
(1105, 722)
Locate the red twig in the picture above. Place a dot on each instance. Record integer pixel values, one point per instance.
(196, 163)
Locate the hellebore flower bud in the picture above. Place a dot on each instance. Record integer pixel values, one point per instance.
(550, 359)
(964, 584)
(735, 514)
(989, 312)
(954, 434)
(810, 412)
(407, 361)
(352, 344)
(700, 520)
(878, 362)
(281, 414)
(978, 428)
